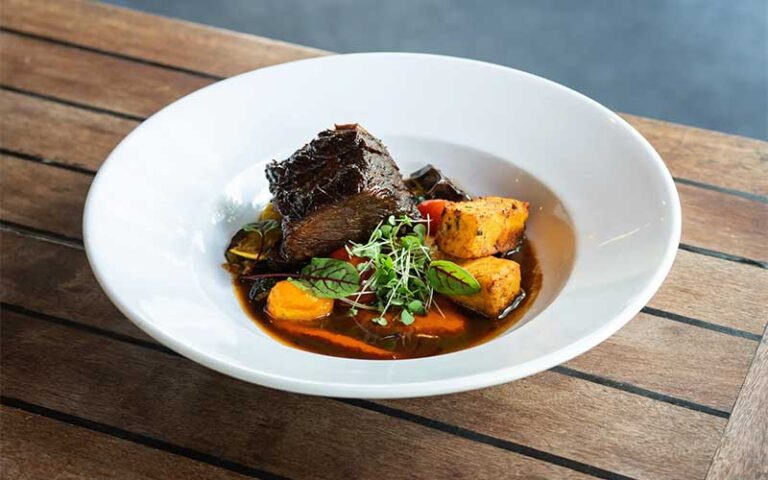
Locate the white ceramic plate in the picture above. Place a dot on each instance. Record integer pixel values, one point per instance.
(605, 215)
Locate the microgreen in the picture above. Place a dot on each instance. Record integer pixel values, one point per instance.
(400, 259)
(402, 274)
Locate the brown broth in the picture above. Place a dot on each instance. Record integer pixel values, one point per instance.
(397, 341)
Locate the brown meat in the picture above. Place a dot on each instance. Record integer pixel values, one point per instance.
(334, 189)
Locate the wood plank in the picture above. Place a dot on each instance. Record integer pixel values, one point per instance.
(170, 398)
(59, 132)
(658, 354)
(725, 223)
(27, 280)
(706, 156)
(694, 288)
(42, 197)
(156, 394)
(556, 412)
(743, 452)
(717, 291)
(36, 447)
(164, 40)
(674, 358)
(91, 78)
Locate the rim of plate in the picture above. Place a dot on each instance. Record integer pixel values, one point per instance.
(502, 374)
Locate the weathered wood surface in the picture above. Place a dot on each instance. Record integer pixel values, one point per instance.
(36, 447)
(175, 43)
(166, 396)
(743, 452)
(86, 394)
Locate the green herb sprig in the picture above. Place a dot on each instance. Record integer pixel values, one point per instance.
(404, 275)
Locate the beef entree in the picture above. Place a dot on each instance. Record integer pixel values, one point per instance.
(351, 259)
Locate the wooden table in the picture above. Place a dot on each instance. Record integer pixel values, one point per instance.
(680, 392)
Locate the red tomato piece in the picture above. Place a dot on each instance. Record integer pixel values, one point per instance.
(342, 254)
(432, 209)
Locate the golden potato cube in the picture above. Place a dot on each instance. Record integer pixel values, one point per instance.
(499, 280)
(481, 227)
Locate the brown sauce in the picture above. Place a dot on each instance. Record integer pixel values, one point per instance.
(326, 335)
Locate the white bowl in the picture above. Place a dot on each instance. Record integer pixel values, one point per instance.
(605, 215)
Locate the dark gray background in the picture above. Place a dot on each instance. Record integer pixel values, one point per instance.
(697, 62)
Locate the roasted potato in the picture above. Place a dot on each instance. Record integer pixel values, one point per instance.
(499, 280)
(481, 227)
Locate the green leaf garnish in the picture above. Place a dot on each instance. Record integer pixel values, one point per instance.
(329, 278)
(398, 258)
(416, 306)
(406, 317)
(450, 279)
